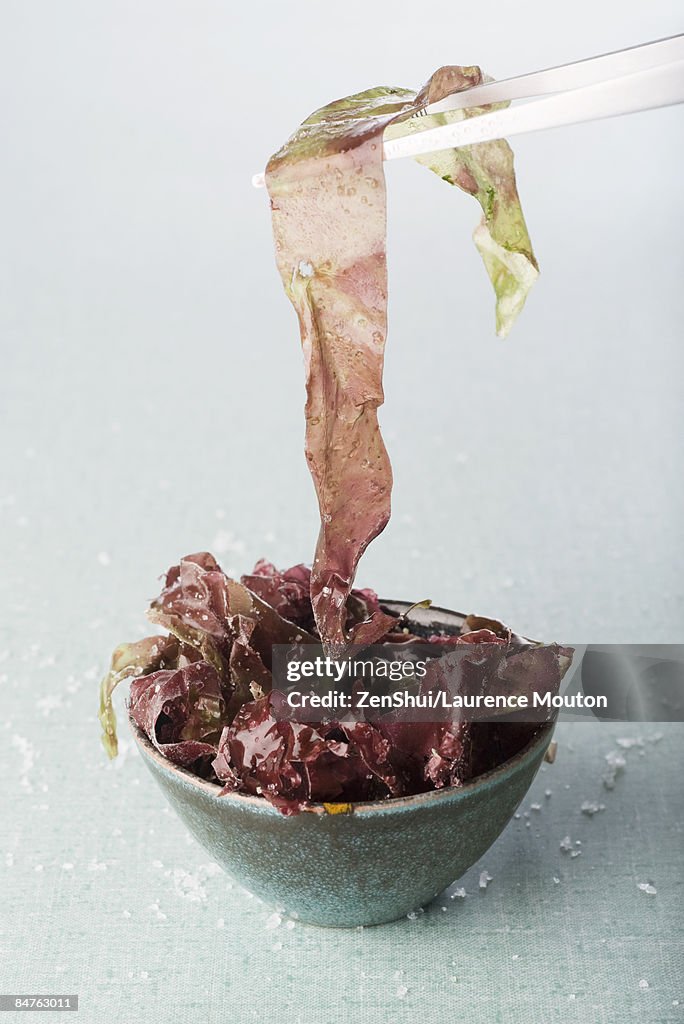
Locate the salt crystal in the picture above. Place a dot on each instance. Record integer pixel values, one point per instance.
(220, 923)
(289, 925)
(402, 991)
(27, 753)
(535, 807)
(647, 887)
(643, 985)
(576, 853)
(566, 844)
(556, 880)
(188, 886)
(590, 808)
(38, 867)
(630, 741)
(460, 893)
(276, 947)
(273, 922)
(485, 879)
(46, 705)
(547, 793)
(615, 763)
(68, 867)
(144, 975)
(125, 913)
(103, 558)
(225, 542)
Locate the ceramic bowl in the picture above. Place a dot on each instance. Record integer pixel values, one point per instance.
(368, 867)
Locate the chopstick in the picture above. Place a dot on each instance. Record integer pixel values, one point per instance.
(575, 75)
(623, 82)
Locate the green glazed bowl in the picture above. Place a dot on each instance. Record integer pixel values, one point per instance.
(368, 867)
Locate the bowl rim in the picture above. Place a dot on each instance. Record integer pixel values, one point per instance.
(542, 738)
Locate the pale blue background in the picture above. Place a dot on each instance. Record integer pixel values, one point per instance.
(151, 396)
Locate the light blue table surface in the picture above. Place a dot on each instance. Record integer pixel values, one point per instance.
(151, 405)
(107, 896)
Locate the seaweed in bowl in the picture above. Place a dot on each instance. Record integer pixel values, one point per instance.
(204, 695)
(203, 692)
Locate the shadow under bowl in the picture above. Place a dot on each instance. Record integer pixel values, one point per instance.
(368, 867)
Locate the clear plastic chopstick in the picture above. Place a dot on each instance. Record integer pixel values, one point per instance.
(576, 75)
